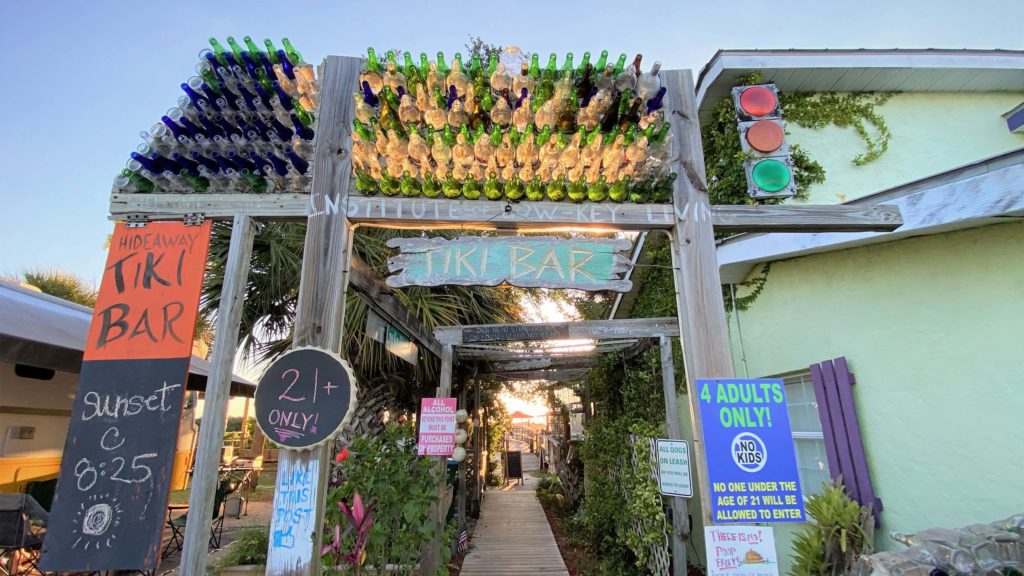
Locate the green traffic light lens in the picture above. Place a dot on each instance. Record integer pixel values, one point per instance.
(771, 175)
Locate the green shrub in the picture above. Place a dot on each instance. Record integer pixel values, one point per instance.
(250, 547)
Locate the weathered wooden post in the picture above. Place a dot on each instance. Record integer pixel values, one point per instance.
(218, 388)
(680, 512)
(703, 332)
(320, 314)
(430, 558)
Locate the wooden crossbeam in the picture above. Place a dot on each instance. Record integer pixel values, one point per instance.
(423, 213)
(543, 364)
(551, 375)
(537, 354)
(591, 329)
(382, 300)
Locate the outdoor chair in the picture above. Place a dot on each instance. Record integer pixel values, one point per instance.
(19, 546)
(177, 525)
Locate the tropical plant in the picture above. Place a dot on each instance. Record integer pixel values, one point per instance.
(842, 531)
(386, 469)
(61, 284)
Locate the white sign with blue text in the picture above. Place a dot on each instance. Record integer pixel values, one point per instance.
(674, 468)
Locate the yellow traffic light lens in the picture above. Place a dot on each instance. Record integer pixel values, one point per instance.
(765, 136)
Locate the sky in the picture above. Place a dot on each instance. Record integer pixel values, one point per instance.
(82, 82)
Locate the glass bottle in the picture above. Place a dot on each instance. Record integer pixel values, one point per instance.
(407, 111)
(390, 185)
(457, 116)
(430, 187)
(619, 191)
(513, 188)
(535, 67)
(501, 114)
(620, 65)
(524, 81)
(393, 77)
(556, 190)
(523, 115)
(567, 68)
(450, 188)
(648, 83)
(417, 148)
(372, 75)
(535, 190)
(626, 80)
(499, 78)
(457, 77)
(492, 188)
(462, 152)
(409, 187)
(412, 73)
(577, 191)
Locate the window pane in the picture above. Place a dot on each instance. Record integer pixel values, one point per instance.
(812, 464)
(803, 407)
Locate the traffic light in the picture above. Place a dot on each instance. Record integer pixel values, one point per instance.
(768, 166)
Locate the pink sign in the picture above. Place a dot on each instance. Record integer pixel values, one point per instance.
(437, 427)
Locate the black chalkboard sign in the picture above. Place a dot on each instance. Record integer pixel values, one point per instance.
(110, 505)
(514, 461)
(305, 397)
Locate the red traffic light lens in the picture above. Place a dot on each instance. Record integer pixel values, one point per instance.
(758, 101)
(765, 136)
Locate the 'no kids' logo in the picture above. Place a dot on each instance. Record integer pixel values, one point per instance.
(749, 452)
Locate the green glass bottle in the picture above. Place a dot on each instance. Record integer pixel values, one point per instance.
(211, 80)
(640, 192)
(141, 183)
(439, 100)
(471, 189)
(551, 72)
(424, 64)
(535, 190)
(389, 185)
(458, 58)
(257, 184)
(598, 191)
(271, 51)
(448, 135)
(602, 61)
(567, 68)
(292, 53)
(364, 132)
(619, 191)
(661, 134)
(392, 58)
(236, 49)
(442, 64)
(409, 186)
(450, 187)
(663, 189)
(254, 50)
(487, 102)
(620, 64)
(544, 136)
(492, 188)
(412, 73)
(430, 187)
(556, 189)
(584, 62)
(514, 189)
(492, 64)
(535, 67)
(304, 116)
(577, 191)
(373, 63)
(218, 51)
(199, 184)
(365, 184)
(495, 137)
(476, 67)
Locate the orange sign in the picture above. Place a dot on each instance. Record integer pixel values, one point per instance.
(149, 296)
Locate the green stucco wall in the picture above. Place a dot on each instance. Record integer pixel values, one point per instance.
(932, 330)
(931, 133)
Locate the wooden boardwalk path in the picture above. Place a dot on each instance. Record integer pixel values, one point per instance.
(513, 537)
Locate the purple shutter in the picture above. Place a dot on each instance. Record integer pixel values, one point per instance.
(843, 443)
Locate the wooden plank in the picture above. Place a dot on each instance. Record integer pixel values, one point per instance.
(704, 334)
(524, 261)
(593, 329)
(382, 300)
(320, 313)
(422, 213)
(513, 332)
(550, 375)
(544, 363)
(218, 389)
(680, 513)
(804, 218)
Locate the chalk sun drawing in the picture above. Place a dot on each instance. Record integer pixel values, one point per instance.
(92, 522)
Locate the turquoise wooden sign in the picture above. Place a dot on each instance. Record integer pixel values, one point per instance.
(525, 261)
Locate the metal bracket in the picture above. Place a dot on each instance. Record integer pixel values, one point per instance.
(136, 220)
(194, 219)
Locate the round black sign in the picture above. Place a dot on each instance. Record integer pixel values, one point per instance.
(305, 397)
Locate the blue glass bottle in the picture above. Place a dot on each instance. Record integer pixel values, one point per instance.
(286, 65)
(298, 162)
(283, 132)
(282, 96)
(304, 132)
(280, 166)
(656, 102)
(210, 164)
